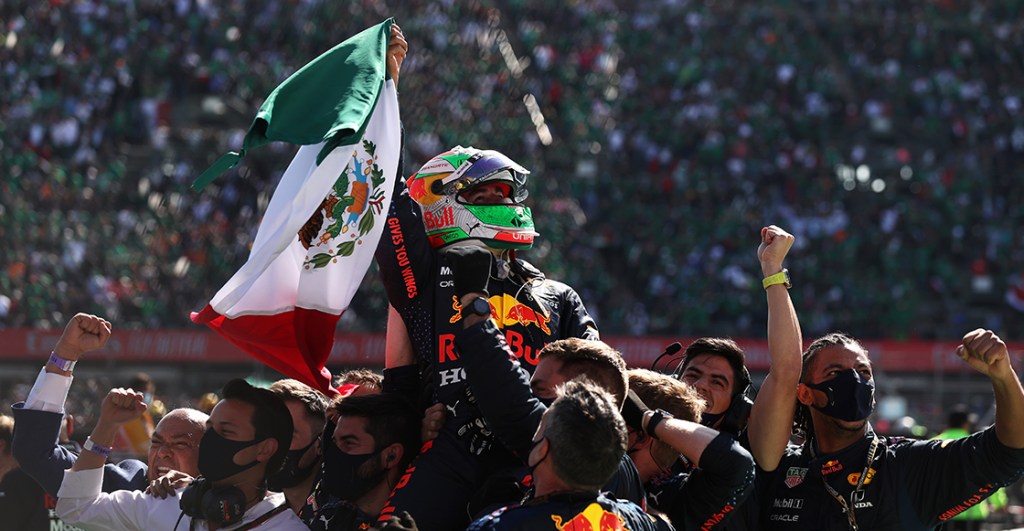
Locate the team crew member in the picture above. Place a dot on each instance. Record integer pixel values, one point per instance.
(466, 196)
(301, 469)
(722, 473)
(366, 449)
(847, 477)
(715, 366)
(577, 447)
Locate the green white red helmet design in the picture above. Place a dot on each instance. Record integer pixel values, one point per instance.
(448, 219)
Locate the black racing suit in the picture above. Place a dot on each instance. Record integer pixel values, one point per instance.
(705, 497)
(910, 485)
(324, 512)
(532, 311)
(502, 391)
(570, 512)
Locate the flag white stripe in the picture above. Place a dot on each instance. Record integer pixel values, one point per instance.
(273, 279)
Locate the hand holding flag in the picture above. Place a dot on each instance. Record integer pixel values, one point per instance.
(322, 225)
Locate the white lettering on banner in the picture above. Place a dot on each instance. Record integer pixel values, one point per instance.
(446, 284)
(786, 517)
(451, 376)
(445, 270)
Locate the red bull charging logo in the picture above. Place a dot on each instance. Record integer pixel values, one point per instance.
(506, 310)
(593, 518)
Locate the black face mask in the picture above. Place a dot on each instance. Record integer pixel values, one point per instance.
(291, 474)
(341, 477)
(546, 401)
(534, 444)
(850, 396)
(216, 456)
(709, 419)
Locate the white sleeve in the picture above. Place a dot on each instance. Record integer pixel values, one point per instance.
(49, 392)
(80, 502)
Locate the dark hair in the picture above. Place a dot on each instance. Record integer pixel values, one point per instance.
(959, 416)
(586, 434)
(270, 418)
(390, 419)
(314, 402)
(725, 348)
(140, 382)
(602, 364)
(802, 426)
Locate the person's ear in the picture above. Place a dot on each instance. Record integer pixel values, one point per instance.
(391, 455)
(266, 449)
(804, 394)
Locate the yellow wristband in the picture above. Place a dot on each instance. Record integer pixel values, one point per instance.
(782, 277)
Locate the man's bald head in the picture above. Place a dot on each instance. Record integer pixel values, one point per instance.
(175, 444)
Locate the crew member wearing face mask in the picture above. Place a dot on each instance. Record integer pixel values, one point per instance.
(247, 436)
(845, 476)
(577, 447)
(365, 451)
(300, 471)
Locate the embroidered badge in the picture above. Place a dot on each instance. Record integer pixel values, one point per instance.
(795, 476)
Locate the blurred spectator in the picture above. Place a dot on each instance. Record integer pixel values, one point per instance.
(22, 500)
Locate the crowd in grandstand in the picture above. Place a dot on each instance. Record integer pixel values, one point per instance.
(885, 136)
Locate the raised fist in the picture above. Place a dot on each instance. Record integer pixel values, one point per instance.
(775, 244)
(985, 352)
(83, 333)
(121, 405)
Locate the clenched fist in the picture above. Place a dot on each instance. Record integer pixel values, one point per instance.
(83, 333)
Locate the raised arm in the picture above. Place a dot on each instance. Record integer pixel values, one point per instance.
(37, 421)
(771, 418)
(118, 407)
(987, 354)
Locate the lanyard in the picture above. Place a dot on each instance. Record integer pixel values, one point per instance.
(848, 508)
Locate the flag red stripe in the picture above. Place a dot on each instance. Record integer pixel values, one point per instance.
(292, 343)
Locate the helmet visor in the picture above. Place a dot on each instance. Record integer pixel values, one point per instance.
(484, 167)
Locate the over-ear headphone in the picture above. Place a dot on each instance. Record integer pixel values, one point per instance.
(734, 419)
(220, 505)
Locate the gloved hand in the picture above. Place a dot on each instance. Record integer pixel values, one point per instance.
(633, 411)
(479, 434)
(471, 269)
(402, 522)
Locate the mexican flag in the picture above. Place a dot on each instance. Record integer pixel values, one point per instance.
(317, 237)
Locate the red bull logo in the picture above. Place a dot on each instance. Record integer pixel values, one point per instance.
(831, 467)
(506, 310)
(593, 518)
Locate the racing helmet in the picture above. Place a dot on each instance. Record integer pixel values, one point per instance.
(448, 218)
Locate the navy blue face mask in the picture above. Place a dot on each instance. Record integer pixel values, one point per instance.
(851, 397)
